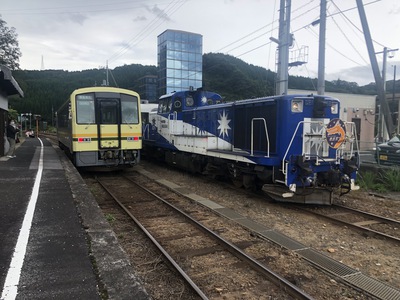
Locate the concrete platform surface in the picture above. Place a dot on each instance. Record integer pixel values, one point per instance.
(55, 242)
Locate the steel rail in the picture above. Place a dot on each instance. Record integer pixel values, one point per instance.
(157, 244)
(354, 225)
(278, 280)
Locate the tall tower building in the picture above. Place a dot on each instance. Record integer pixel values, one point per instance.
(180, 61)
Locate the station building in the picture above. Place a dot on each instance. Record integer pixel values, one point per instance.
(8, 87)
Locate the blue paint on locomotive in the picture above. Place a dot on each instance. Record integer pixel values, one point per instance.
(285, 133)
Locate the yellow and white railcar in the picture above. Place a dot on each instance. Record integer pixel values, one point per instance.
(101, 126)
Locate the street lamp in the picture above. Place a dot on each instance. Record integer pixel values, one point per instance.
(21, 121)
(30, 120)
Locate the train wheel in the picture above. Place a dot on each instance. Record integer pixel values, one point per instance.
(249, 182)
(237, 182)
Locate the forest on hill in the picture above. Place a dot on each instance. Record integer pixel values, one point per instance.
(45, 91)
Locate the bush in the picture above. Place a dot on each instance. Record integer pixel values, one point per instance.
(391, 179)
(385, 181)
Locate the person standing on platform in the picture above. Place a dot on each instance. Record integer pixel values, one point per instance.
(30, 133)
(12, 131)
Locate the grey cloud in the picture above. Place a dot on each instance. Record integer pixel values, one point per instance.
(158, 12)
(139, 19)
(77, 18)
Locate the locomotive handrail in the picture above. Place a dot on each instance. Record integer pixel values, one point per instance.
(287, 150)
(146, 129)
(252, 134)
(354, 132)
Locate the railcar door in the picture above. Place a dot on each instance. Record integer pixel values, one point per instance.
(109, 129)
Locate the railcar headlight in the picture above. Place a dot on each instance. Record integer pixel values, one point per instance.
(297, 105)
(335, 108)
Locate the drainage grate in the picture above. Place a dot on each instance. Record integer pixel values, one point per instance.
(327, 263)
(282, 240)
(373, 287)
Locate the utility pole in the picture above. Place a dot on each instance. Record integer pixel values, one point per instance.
(42, 65)
(284, 41)
(394, 95)
(375, 68)
(107, 73)
(385, 52)
(321, 53)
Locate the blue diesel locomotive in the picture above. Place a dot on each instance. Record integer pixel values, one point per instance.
(295, 147)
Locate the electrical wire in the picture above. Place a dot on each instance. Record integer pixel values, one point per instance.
(351, 22)
(171, 8)
(41, 10)
(349, 42)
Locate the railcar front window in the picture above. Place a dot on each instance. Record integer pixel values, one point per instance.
(129, 109)
(85, 109)
(108, 112)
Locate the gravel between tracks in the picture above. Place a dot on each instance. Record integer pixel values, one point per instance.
(373, 257)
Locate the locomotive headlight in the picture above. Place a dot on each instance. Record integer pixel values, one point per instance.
(297, 105)
(335, 108)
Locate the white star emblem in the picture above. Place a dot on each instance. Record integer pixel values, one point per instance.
(223, 124)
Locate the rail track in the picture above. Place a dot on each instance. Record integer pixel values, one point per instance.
(370, 224)
(194, 250)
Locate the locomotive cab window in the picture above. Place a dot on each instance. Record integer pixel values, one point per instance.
(335, 107)
(129, 110)
(165, 105)
(85, 109)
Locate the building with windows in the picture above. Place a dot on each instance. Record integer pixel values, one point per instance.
(148, 88)
(180, 61)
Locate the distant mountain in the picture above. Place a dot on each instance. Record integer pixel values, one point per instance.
(45, 91)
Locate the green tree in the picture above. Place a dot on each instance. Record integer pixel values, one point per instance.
(9, 48)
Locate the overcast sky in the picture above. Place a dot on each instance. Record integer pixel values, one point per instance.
(79, 35)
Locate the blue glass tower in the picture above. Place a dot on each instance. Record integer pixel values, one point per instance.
(180, 61)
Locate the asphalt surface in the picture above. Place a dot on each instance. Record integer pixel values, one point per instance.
(70, 251)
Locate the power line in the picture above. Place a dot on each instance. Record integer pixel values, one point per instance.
(115, 5)
(351, 22)
(348, 40)
(334, 48)
(171, 8)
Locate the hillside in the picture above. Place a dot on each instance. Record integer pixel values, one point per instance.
(231, 77)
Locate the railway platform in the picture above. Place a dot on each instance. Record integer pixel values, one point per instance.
(54, 240)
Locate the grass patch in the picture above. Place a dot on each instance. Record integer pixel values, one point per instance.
(391, 179)
(110, 218)
(382, 182)
(366, 180)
